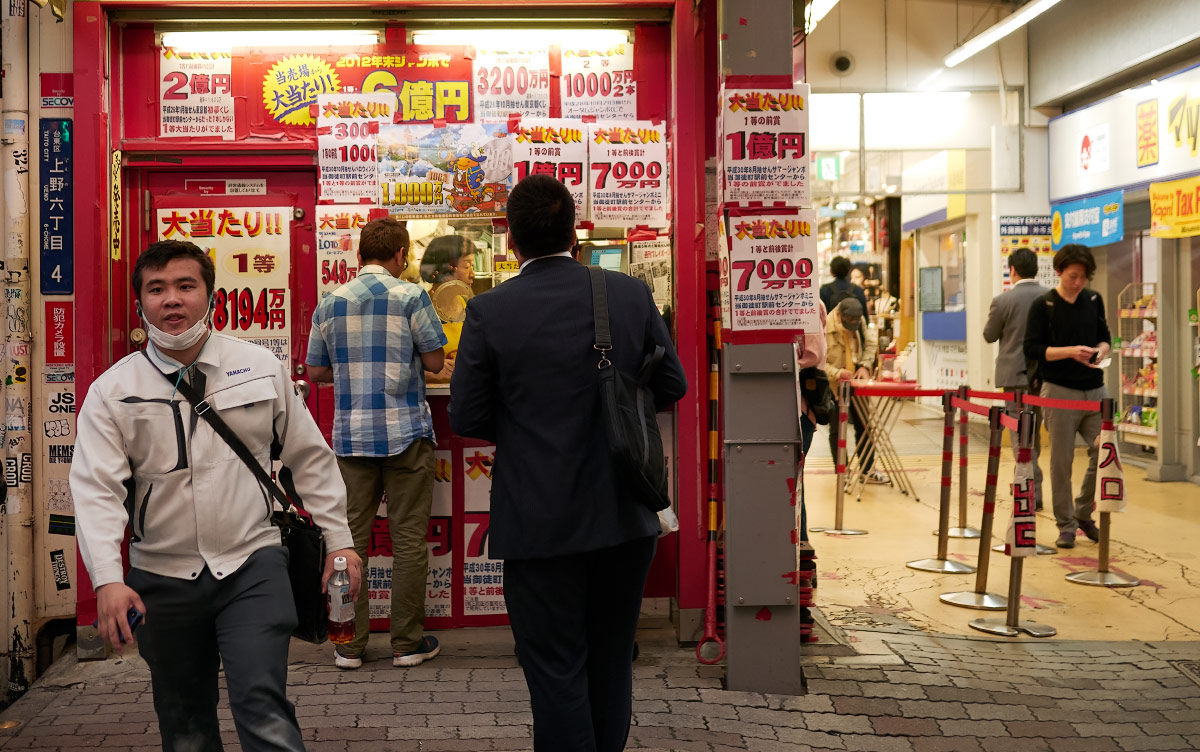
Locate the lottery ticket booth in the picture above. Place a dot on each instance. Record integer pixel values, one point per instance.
(270, 133)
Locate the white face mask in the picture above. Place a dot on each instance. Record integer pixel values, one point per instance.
(182, 341)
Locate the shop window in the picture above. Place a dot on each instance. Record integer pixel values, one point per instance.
(950, 257)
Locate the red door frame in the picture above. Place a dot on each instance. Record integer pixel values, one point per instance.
(99, 334)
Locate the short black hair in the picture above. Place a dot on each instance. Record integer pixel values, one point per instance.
(541, 216)
(442, 255)
(381, 239)
(1024, 262)
(1073, 253)
(840, 267)
(158, 254)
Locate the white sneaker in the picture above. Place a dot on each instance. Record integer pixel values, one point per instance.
(877, 477)
(344, 662)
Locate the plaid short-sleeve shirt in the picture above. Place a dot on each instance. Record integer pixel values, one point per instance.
(372, 331)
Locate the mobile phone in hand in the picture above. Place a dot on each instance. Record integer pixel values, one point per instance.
(1095, 358)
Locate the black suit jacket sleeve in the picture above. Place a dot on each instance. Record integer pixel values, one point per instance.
(669, 383)
(473, 385)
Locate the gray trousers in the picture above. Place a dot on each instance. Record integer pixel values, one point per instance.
(244, 621)
(1012, 410)
(1063, 426)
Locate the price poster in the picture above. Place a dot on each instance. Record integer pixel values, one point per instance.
(1032, 232)
(599, 83)
(512, 81)
(557, 147)
(338, 228)
(195, 94)
(483, 579)
(347, 134)
(765, 155)
(650, 261)
(771, 274)
(438, 173)
(251, 248)
(628, 174)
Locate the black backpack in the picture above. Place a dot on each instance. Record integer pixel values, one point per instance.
(814, 387)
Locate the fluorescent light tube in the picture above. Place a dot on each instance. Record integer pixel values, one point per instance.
(1006, 26)
(223, 41)
(515, 39)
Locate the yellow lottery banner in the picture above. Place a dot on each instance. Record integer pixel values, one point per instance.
(1175, 208)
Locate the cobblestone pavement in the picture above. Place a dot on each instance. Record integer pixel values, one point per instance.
(900, 693)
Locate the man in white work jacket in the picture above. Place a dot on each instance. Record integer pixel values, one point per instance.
(207, 569)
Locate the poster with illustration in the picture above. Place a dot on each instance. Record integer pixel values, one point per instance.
(429, 172)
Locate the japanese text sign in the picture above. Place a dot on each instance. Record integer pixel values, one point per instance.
(1110, 475)
(770, 270)
(338, 228)
(508, 81)
(764, 154)
(1095, 221)
(60, 336)
(347, 135)
(556, 147)
(57, 196)
(1175, 208)
(628, 174)
(1021, 537)
(453, 171)
(1032, 232)
(251, 248)
(195, 94)
(599, 83)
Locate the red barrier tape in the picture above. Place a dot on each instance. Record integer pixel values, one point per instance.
(874, 391)
(970, 407)
(1004, 396)
(1087, 405)
(1010, 422)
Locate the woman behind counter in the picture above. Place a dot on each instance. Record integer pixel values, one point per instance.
(448, 258)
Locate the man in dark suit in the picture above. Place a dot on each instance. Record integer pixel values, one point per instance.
(840, 268)
(1006, 322)
(576, 549)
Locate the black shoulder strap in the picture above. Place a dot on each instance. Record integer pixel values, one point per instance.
(600, 309)
(205, 411)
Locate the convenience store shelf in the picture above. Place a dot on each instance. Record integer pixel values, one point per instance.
(1139, 352)
(1135, 437)
(1135, 429)
(1140, 393)
(1139, 313)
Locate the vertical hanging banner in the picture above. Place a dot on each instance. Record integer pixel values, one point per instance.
(429, 172)
(764, 153)
(556, 147)
(347, 136)
(195, 96)
(1110, 476)
(508, 81)
(772, 272)
(650, 261)
(251, 248)
(599, 83)
(1021, 537)
(338, 228)
(628, 174)
(57, 196)
(60, 334)
(483, 578)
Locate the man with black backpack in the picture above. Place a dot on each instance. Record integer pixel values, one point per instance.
(576, 545)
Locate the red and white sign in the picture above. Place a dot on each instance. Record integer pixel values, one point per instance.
(483, 578)
(765, 154)
(599, 83)
(195, 96)
(60, 334)
(557, 147)
(627, 174)
(511, 81)
(1110, 476)
(770, 272)
(347, 137)
(1094, 150)
(1021, 537)
(58, 90)
(338, 228)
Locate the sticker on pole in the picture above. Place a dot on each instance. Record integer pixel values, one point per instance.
(1110, 476)
(1021, 537)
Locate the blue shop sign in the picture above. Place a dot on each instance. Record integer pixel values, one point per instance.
(1093, 222)
(57, 194)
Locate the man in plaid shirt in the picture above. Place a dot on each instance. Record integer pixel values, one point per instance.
(371, 338)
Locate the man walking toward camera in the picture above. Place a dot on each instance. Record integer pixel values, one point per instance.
(208, 571)
(373, 338)
(1006, 322)
(1068, 337)
(576, 549)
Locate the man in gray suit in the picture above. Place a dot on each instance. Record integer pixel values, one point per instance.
(1006, 322)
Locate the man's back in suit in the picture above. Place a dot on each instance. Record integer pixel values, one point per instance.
(1006, 322)
(526, 378)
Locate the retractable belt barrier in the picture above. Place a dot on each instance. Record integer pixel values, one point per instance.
(1091, 406)
(941, 563)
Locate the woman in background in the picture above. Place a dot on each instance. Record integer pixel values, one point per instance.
(448, 258)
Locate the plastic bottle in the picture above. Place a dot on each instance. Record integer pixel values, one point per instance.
(341, 607)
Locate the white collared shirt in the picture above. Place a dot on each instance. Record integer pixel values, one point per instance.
(527, 262)
(195, 503)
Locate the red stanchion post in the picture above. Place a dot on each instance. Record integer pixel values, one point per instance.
(941, 563)
(963, 530)
(840, 494)
(1021, 542)
(1018, 402)
(979, 597)
(1110, 485)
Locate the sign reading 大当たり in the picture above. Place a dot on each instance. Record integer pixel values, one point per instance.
(764, 152)
(768, 268)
